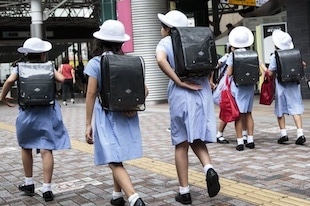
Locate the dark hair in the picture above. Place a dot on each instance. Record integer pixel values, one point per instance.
(65, 60)
(166, 27)
(101, 46)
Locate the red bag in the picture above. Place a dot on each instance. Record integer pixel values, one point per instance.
(229, 110)
(267, 90)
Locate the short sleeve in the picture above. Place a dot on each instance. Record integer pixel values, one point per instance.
(273, 63)
(229, 61)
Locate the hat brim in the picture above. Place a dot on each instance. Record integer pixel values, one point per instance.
(46, 47)
(277, 41)
(125, 38)
(234, 33)
(164, 20)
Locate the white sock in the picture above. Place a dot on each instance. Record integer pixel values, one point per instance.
(133, 198)
(29, 181)
(184, 190)
(244, 133)
(219, 134)
(300, 132)
(250, 139)
(46, 187)
(116, 195)
(206, 168)
(283, 132)
(240, 141)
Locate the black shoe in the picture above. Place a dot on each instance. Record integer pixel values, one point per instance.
(301, 140)
(222, 140)
(250, 145)
(185, 199)
(139, 202)
(48, 196)
(118, 201)
(213, 184)
(283, 139)
(240, 147)
(27, 189)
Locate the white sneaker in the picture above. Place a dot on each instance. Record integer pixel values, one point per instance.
(64, 103)
(72, 101)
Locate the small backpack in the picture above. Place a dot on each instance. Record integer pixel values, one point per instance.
(194, 51)
(36, 84)
(123, 87)
(245, 67)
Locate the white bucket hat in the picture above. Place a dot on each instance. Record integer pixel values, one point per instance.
(241, 37)
(112, 31)
(173, 18)
(282, 40)
(35, 45)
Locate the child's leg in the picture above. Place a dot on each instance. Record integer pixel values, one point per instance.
(181, 163)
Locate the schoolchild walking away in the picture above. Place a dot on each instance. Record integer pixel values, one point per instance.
(116, 135)
(191, 111)
(39, 125)
(68, 85)
(218, 86)
(288, 99)
(240, 38)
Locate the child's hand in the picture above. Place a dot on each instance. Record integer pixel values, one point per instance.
(129, 113)
(7, 101)
(89, 135)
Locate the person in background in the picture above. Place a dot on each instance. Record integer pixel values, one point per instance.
(37, 127)
(192, 115)
(240, 38)
(68, 85)
(116, 135)
(288, 99)
(82, 76)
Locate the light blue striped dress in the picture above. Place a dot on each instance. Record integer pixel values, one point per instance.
(41, 127)
(192, 112)
(116, 138)
(244, 95)
(288, 99)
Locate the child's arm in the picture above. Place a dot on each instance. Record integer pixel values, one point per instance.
(6, 88)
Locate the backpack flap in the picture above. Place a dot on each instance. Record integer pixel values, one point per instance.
(36, 84)
(194, 51)
(245, 67)
(123, 83)
(289, 65)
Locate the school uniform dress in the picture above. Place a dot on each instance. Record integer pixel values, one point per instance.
(116, 138)
(243, 94)
(288, 99)
(192, 113)
(41, 127)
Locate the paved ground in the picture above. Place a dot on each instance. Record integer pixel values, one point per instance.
(271, 174)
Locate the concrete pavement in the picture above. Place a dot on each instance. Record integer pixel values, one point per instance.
(270, 174)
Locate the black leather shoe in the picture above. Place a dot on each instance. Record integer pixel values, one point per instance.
(283, 139)
(139, 202)
(185, 199)
(213, 184)
(118, 201)
(301, 140)
(48, 196)
(250, 145)
(27, 189)
(240, 147)
(222, 140)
